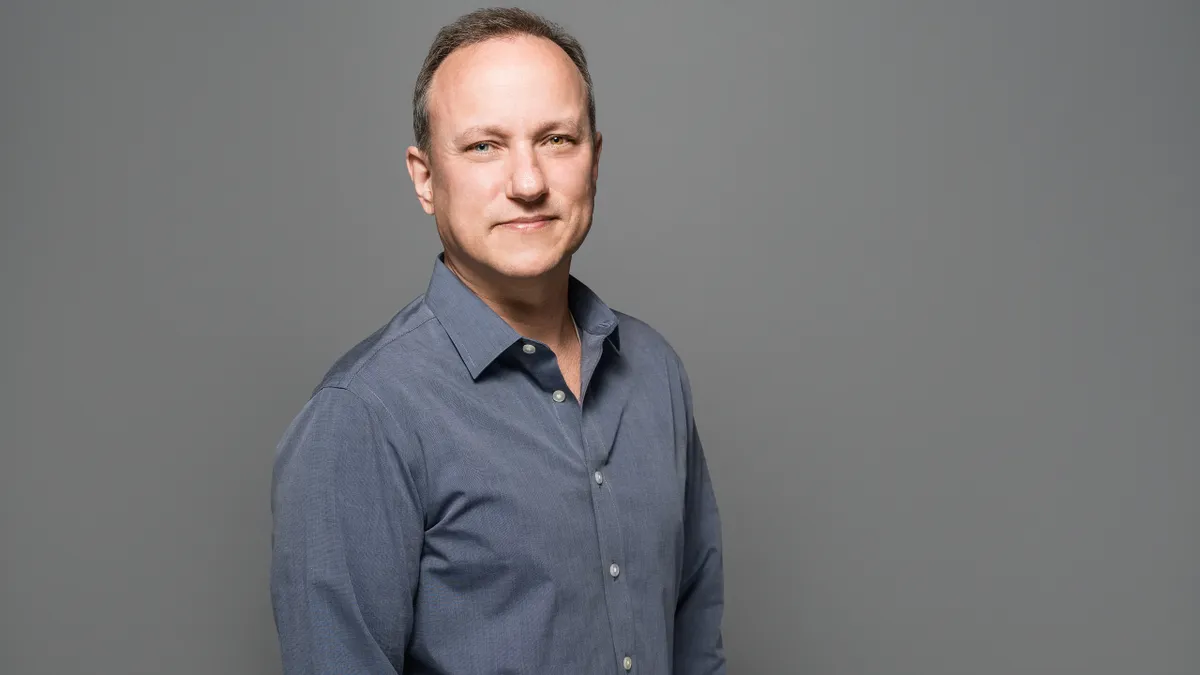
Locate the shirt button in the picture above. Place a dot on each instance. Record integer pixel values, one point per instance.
(615, 570)
(599, 478)
(528, 348)
(559, 396)
(627, 663)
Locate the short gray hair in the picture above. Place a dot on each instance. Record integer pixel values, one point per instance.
(486, 24)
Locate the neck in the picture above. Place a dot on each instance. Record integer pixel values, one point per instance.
(536, 308)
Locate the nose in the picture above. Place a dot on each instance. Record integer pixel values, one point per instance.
(526, 182)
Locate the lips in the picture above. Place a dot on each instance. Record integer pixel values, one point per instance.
(527, 223)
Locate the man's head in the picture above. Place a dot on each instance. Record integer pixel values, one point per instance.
(504, 120)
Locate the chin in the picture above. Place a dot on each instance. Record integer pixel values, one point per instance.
(528, 264)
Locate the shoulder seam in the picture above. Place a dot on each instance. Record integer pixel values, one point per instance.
(399, 427)
(352, 375)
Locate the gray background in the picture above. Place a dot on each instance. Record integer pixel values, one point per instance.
(934, 268)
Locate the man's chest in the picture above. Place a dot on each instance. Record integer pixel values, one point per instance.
(522, 485)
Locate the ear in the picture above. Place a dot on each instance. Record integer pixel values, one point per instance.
(596, 147)
(420, 169)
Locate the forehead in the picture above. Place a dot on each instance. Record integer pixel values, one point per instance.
(507, 81)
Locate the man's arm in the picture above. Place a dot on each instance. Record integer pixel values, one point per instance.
(346, 541)
(699, 649)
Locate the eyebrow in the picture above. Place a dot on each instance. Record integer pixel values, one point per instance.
(566, 125)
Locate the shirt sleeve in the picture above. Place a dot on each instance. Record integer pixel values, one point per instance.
(346, 540)
(699, 649)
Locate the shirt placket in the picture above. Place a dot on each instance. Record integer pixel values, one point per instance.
(612, 545)
(606, 515)
(584, 432)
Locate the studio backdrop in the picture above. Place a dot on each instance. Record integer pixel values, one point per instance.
(933, 268)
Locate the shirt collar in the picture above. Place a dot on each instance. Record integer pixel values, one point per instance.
(480, 335)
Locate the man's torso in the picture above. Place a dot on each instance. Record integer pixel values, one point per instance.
(553, 531)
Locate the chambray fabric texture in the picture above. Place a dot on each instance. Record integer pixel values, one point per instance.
(444, 505)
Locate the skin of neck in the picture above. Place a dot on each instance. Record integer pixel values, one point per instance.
(535, 307)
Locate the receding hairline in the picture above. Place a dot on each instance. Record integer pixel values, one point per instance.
(513, 36)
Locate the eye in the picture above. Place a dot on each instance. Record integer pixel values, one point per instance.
(558, 139)
(481, 146)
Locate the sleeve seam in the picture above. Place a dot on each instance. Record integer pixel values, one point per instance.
(371, 410)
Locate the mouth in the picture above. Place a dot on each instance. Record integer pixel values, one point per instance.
(527, 224)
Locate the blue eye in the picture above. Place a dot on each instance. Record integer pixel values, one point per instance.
(482, 146)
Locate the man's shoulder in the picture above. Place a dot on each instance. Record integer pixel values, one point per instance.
(409, 337)
(640, 340)
(649, 351)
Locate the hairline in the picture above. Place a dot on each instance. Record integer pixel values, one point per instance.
(422, 107)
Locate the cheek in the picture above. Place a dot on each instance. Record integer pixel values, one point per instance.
(573, 183)
(469, 192)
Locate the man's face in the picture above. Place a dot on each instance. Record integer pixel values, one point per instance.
(511, 174)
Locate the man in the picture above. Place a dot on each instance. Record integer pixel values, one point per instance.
(507, 477)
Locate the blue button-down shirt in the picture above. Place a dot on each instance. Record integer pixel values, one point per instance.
(443, 504)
